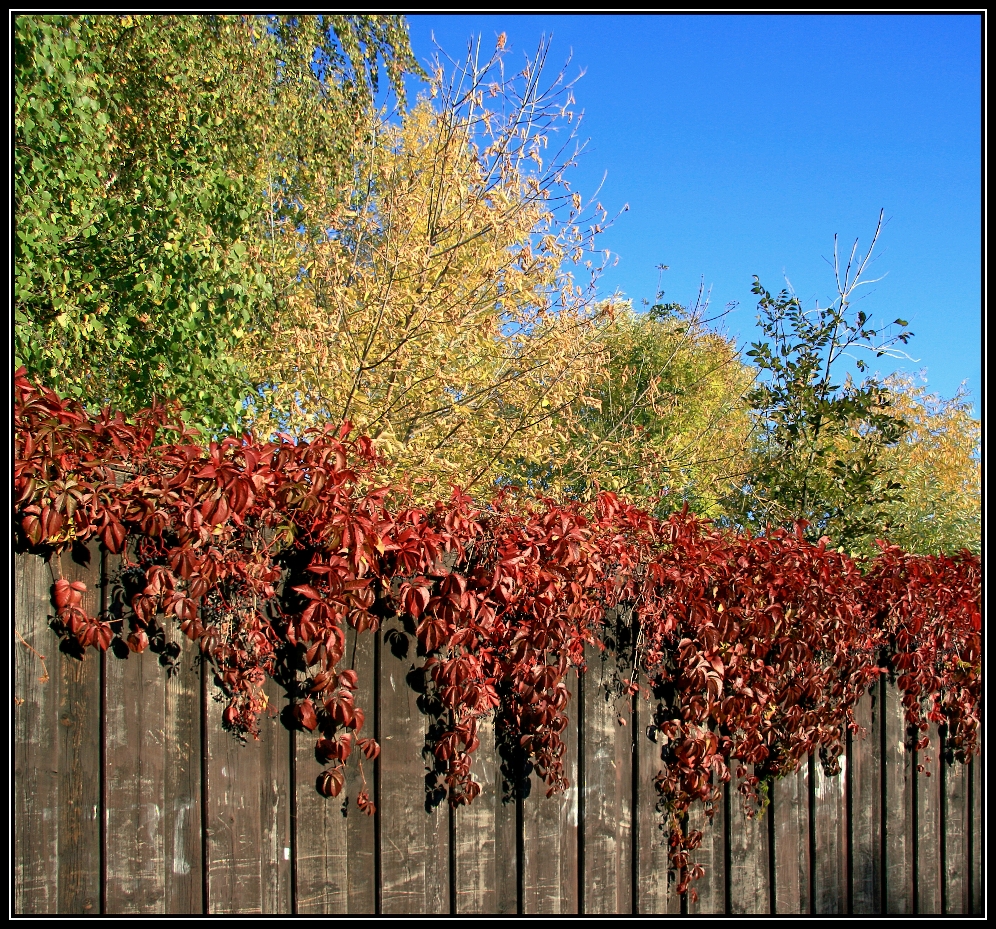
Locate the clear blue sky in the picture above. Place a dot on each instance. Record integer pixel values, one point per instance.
(743, 143)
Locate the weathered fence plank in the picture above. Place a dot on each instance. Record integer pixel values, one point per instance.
(80, 799)
(475, 870)
(929, 865)
(135, 774)
(607, 747)
(830, 873)
(748, 858)
(954, 797)
(248, 814)
(117, 825)
(36, 737)
(183, 829)
(897, 816)
(711, 888)
(414, 831)
(865, 776)
(790, 808)
(550, 829)
(334, 839)
(655, 893)
(977, 775)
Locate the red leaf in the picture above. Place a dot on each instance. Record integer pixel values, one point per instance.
(304, 713)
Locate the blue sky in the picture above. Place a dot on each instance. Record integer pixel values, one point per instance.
(743, 143)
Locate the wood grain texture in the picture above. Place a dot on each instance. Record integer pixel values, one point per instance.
(929, 865)
(476, 832)
(361, 837)
(414, 825)
(334, 852)
(897, 818)
(80, 798)
(135, 760)
(248, 814)
(184, 747)
(607, 748)
(507, 846)
(655, 890)
(550, 829)
(954, 796)
(790, 808)
(711, 888)
(748, 880)
(866, 806)
(976, 868)
(37, 734)
(830, 891)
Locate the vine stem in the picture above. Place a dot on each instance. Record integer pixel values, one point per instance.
(44, 679)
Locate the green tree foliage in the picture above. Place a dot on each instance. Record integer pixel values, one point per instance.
(148, 150)
(664, 420)
(822, 449)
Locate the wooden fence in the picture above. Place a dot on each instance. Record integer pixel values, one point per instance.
(130, 798)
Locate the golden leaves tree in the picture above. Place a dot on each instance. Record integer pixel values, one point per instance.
(432, 298)
(938, 463)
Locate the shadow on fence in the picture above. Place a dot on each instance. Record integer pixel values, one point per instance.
(130, 798)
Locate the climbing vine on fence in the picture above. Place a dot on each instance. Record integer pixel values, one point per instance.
(755, 649)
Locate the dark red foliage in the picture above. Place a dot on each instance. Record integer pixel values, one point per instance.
(755, 649)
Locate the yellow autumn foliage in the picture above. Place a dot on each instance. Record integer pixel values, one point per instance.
(431, 301)
(939, 466)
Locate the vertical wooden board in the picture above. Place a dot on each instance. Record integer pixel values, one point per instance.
(414, 825)
(977, 774)
(655, 892)
(550, 829)
(956, 834)
(897, 819)
(36, 735)
(361, 836)
(608, 774)
(711, 888)
(475, 833)
(928, 829)
(248, 814)
(80, 798)
(183, 754)
(749, 892)
(321, 850)
(865, 775)
(830, 892)
(507, 817)
(790, 808)
(134, 774)
(334, 853)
